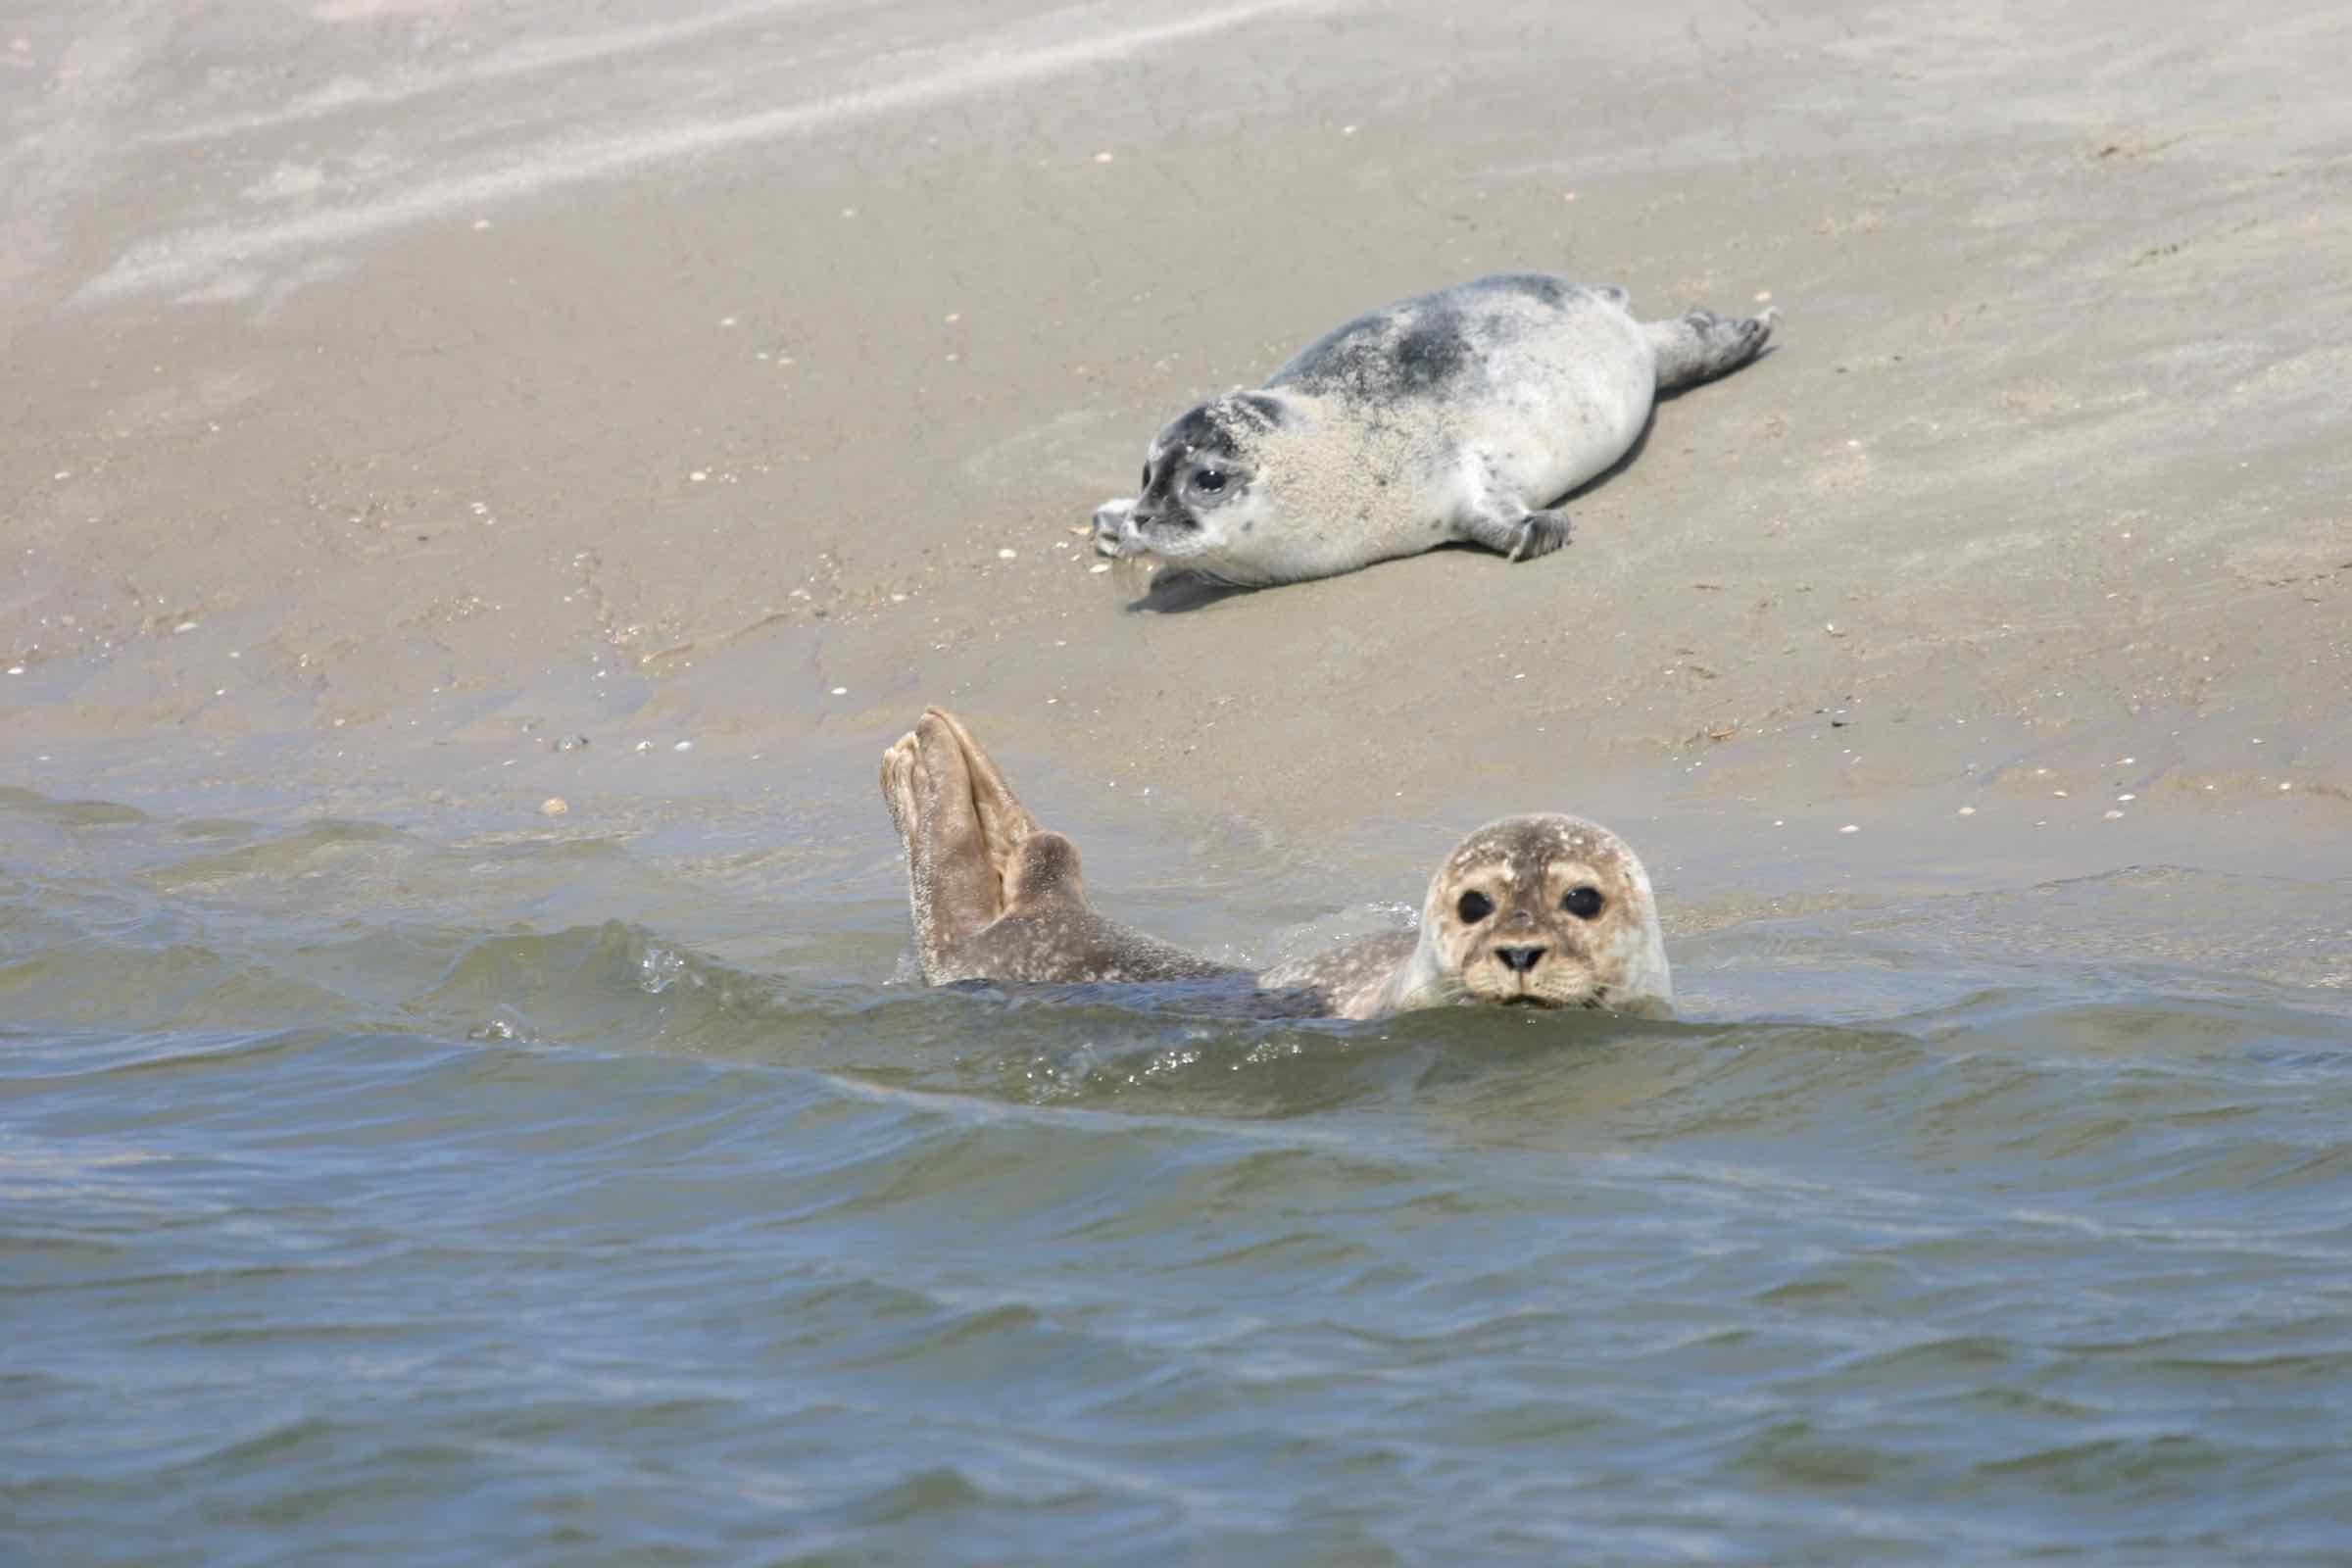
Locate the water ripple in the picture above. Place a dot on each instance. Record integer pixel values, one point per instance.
(347, 1179)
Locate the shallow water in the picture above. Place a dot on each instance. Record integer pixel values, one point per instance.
(373, 1197)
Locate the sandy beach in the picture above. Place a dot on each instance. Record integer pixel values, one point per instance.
(481, 482)
(396, 390)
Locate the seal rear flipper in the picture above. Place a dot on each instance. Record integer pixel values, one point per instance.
(994, 894)
(1005, 824)
(1702, 345)
(955, 881)
(1043, 872)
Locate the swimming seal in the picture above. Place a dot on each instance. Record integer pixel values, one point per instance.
(1460, 415)
(1545, 910)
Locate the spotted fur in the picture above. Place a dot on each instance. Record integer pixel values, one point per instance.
(1463, 416)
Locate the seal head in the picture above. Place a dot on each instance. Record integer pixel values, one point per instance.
(1202, 487)
(1547, 911)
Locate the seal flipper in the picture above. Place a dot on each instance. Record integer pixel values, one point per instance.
(1511, 530)
(1540, 533)
(994, 894)
(1005, 823)
(1702, 345)
(954, 883)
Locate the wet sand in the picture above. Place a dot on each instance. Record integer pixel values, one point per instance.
(395, 390)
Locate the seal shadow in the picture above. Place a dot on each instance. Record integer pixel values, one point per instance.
(1176, 592)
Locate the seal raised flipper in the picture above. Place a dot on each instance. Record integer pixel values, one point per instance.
(954, 876)
(995, 895)
(1005, 825)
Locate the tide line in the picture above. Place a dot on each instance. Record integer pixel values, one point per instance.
(175, 261)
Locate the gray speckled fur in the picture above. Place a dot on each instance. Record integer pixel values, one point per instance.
(1459, 416)
(1069, 943)
(1345, 980)
(1524, 866)
(995, 896)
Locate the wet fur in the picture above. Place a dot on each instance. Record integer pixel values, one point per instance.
(997, 895)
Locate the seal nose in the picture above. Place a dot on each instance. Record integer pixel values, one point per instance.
(1520, 959)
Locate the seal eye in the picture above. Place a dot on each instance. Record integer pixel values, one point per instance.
(1474, 907)
(1211, 480)
(1583, 903)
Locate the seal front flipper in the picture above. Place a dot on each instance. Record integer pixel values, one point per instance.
(1511, 530)
(1540, 533)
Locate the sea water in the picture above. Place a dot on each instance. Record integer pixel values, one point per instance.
(371, 1195)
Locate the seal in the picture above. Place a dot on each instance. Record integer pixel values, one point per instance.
(1466, 415)
(1547, 910)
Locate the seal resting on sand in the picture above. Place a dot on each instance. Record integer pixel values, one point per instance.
(1460, 415)
(1544, 910)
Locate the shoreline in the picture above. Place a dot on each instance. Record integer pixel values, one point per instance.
(2042, 476)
